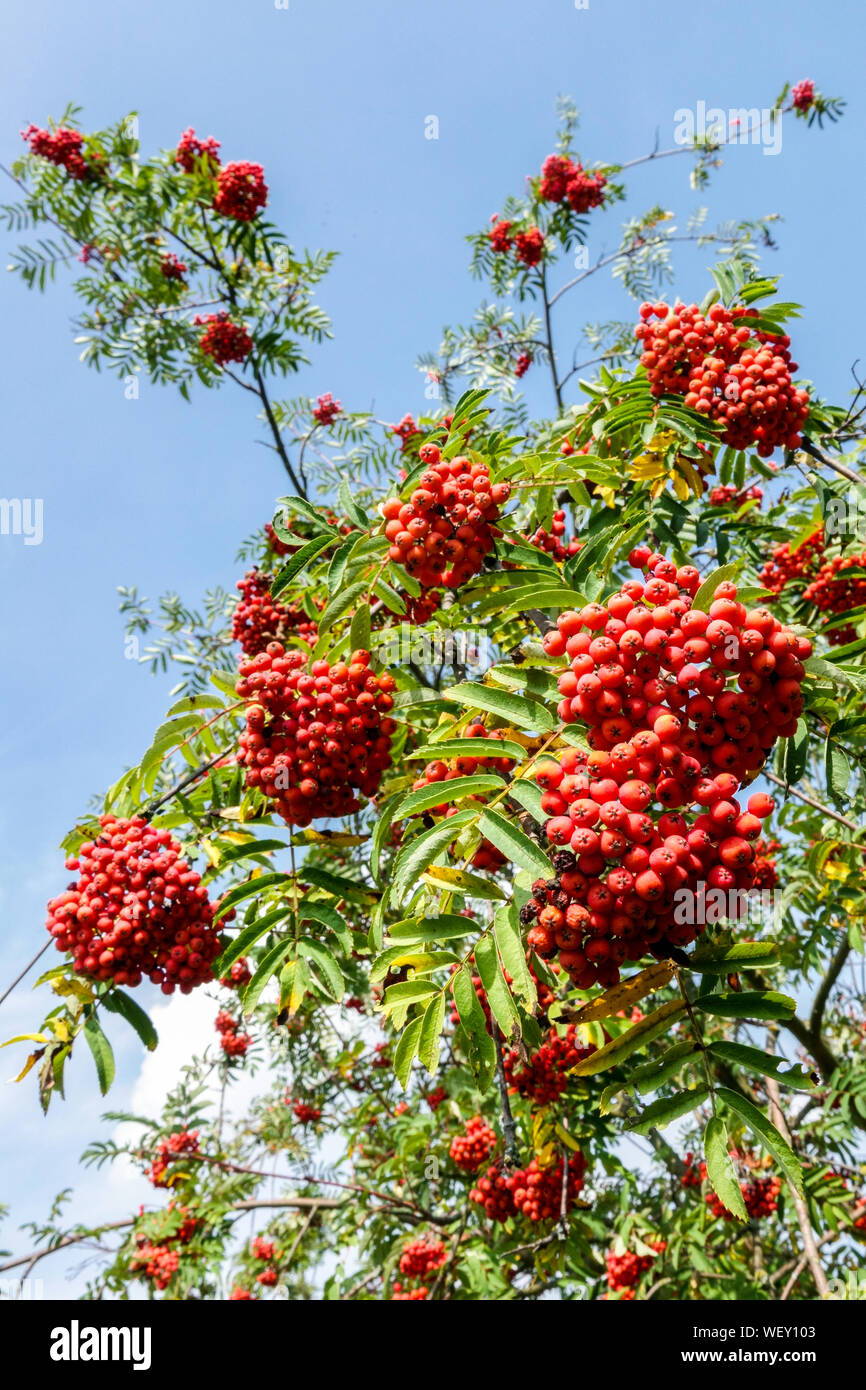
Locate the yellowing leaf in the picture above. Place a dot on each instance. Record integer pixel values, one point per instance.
(625, 994)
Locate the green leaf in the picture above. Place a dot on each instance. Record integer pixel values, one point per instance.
(268, 966)
(420, 853)
(407, 992)
(327, 916)
(337, 884)
(117, 1002)
(299, 561)
(482, 1052)
(406, 954)
(786, 1073)
(720, 1169)
(513, 955)
(328, 969)
(248, 890)
(404, 1052)
(514, 843)
(340, 605)
(247, 937)
(837, 769)
(350, 506)
(429, 1044)
(446, 927)
(469, 748)
(523, 713)
(797, 753)
(669, 1108)
(616, 1051)
(704, 597)
(446, 792)
(499, 997)
(654, 1074)
(766, 1132)
(749, 1004)
(102, 1053)
(447, 880)
(528, 794)
(744, 955)
(359, 629)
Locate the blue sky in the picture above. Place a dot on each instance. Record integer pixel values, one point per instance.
(331, 97)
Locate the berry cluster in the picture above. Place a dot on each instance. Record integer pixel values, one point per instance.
(169, 1151)
(730, 496)
(223, 340)
(421, 1258)
(834, 591)
(172, 268)
(409, 1295)
(63, 148)
(260, 619)
(233, 1043)
(523, 363)
(625, 1271)
(564, 180)
(314, 737)
(527, 246)
(445, 529)
(406, 431)
(157, 1262)
(326, 409)
(190, 150)
(742, 380)
(650, 679)
(136, 909)
(764, 864)
(262, 1251)
(552, 541)
(305, 1114)
(241, 191)
(803, 94)
(473, 1148)
(534, 1191)
(760, 1194)
(435, 1097)
(786, 566)
(239, 975)
(545, 1076)
(537, 1191)
(241, 1295)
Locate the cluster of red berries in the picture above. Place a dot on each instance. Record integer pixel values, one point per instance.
(172, 268)
(240, 1294)
(63, 148)
(233, 1043)
(760, 1194)
(786, 566)
(241, 191)
(545, 1076)
(313, 738)
(421, 609)
(624, 1272)
(305, 1114)
(239, 975)
(552, 541)
(834, 591)
(157, 1262)
(168, 1152)
(435, 1097)
(223, 340)
(405, 431)
(400, 1294)
(262, 1250)
(326, 409)
(473, 1148)
(713, 362)
(190, 150)
(565, 180)
(523, 363)
(803, 94)
(534, 1191)
(260, 619)
(422, 1257)
(764, 864)
(650, 679)
(527, 246)
(728, 495)
(445, 529)
(136, 909)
